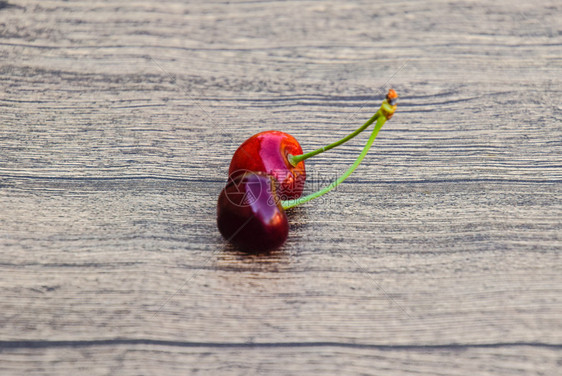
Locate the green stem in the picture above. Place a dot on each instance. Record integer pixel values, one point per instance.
(381, 119)
(295, 159)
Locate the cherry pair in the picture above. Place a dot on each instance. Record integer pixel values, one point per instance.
(267, 176)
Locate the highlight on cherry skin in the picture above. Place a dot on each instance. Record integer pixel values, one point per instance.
(251, 208)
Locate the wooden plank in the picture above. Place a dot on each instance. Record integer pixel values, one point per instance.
(440, 256)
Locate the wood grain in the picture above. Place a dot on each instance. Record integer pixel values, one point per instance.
(440, 256)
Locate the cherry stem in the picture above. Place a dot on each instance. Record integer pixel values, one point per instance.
(295, 159)
(383, 114)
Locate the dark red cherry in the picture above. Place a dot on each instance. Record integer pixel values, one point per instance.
(268, 152)
(249, 213)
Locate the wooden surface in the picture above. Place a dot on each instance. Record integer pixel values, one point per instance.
(440, 256)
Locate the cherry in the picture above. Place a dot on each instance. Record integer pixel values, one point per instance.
(279, 154)
(250, 210)
(268, 152)
(249, 213)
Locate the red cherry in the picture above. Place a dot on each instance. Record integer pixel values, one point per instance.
(268, 152)
(251, 208)
(250, 215)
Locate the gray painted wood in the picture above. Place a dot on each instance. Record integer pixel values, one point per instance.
(440, 256)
